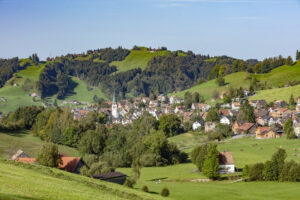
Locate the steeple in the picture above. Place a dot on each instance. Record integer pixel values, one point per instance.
(114, 98)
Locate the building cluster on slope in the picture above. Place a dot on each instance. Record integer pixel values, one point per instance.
(269, 120)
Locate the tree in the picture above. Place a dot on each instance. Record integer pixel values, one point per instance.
(298, 55)
(268, 171)
(213, 115)
(246, 112)
(169, 124)
(211, 164)
(165, 192)
(188, 99)
(277, 163)
(93, 141)
(289, 61)
(220, 81)
(198, 155)
(49, 155)
(196, 97)
(292, 101)
(145, 188)
(256, 172)
(288, 129)
(245, 172)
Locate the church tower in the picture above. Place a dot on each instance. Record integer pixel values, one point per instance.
(114, 108)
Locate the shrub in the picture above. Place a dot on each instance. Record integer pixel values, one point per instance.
(145, 188)
(165, 192)
(49, 156)
(129, 183)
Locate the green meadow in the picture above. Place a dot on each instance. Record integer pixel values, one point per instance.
(22, 181)
(11, 142)
(277, 77)
(137, 59)
(277, 94)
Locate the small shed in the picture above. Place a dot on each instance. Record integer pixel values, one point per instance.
(114, 177)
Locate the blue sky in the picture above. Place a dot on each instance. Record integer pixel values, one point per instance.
(239, 28)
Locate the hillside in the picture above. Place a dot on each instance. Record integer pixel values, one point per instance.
(276, 78)
(277, 94)
(137, 59)
(11, 142)
(17, 90)
(23, 181)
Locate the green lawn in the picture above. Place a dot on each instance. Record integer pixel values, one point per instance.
(277, 94)
(31, 72)
(11, 142)
(187, 141)
(81, 92)
(31, 182)
(227, 190)
(136, 59)
(275, 78)
(250, 150)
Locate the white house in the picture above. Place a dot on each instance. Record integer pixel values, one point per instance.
(201, 107)
(226, 163)
(196, 125)
(175, 100)
(235, 105)
(225, 120)
(296, 127)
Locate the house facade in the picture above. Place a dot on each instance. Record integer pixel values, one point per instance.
(226, 163)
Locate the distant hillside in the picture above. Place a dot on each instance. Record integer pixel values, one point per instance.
(137, 59)
(277, 94)
(23, 181)
(276, 78)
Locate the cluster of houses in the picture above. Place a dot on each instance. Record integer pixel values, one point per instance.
(269, 120)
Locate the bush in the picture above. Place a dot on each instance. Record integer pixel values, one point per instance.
(145, 188)
(165, 192)
(49, 156)
(129, 183)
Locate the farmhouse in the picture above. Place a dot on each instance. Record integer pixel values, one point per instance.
(296, 127)
(243, 127)
(210, 126)
(265, 133)
(19, 154)
(225, 120)
(114, 177)
(71, 164)
(226, 163)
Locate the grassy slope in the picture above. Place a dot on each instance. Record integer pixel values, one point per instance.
(177, 178)
(275, 78)
(11, 142)
(17, 97)
(136, 59)
(41, 183)
(81, 93)
(277, 93)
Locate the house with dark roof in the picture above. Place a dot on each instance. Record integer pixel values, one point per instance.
(19, 154)
(243, 127)
(114, 177)
(226, 163)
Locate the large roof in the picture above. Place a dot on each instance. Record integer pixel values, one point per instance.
(109, 175)
(69, 163)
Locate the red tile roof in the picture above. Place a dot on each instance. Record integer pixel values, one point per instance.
(26, 160)
(69, 163)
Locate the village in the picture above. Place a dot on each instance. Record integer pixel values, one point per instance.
(269, 119)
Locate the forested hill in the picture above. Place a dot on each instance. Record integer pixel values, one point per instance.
(128, 73)
(140, 71)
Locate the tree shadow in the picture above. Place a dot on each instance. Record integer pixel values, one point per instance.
(18, 133)
(16, 197)
(72, 86)
(156, 179)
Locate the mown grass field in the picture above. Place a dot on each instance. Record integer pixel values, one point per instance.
(275, 78)
(277, 94)
(187, 141)
(136, 59)
(21, 181)
(179, 178)
(250, 150)
(11, 142)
